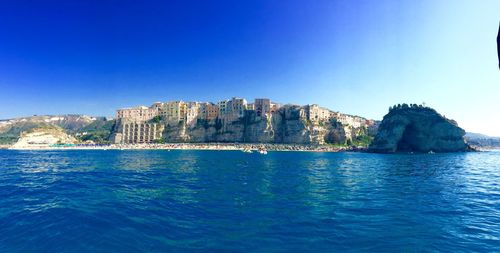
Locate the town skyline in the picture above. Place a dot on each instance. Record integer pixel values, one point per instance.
(247, 106)
(358, 57)
(193, 119)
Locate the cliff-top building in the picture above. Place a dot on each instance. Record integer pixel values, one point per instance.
(192, 113)
(140, 113)
(315, 113)
(212, 111)
(262, 106)
(237, 107)
(140, 132)
(173, 112)
(134, 124)
(137, 124)
(222, 105)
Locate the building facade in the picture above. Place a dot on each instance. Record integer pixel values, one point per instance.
(140, 113)
(315, 113)
(237, 107)
(222, 105)
(192, 113)
(139, 132)
(212, 111)
(262, 106)
(173, 112)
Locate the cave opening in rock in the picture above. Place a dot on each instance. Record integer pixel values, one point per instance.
(408, 142)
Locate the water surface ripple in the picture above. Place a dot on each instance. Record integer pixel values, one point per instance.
(226, 201)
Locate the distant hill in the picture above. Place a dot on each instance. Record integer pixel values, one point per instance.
(470, 135)
(83, 126)
(482, 141)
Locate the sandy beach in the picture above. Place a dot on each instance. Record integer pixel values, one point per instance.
(193, 146)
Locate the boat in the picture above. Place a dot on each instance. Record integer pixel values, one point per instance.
(431, 152)
(262, 151)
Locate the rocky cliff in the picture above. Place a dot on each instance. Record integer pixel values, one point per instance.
(43, 137)
(417, 129)
(82, 126)
(287, 125)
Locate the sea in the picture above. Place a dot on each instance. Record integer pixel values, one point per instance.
(231, 201)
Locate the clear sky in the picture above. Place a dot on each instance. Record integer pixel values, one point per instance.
(357, 57)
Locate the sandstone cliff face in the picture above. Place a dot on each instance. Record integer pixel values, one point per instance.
(287, 125)
(43, 137)
(11, 129)
(417, 129)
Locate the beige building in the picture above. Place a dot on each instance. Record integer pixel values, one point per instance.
(202, 111)
(317, 113)
(349, 120)
(222, 105)
(212, 111)
(139, 132)
(208, 111)
(192, 113)
(173, 112)
(237, 107)
(232, 109)
(140, 113)
(262, 106)
(134, 127)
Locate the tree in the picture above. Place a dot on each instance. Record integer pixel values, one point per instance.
(156, 119)
(159, 141)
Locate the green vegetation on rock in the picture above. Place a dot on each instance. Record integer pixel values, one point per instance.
(84, 127)
(362, 141)
(11, 133)
(415, 128)
(98, 131)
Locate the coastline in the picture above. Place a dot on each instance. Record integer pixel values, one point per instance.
(196, 146)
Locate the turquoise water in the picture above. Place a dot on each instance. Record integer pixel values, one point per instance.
(226, 201)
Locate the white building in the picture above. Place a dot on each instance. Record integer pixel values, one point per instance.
(192, 113)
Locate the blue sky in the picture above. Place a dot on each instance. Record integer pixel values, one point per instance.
(358, 57)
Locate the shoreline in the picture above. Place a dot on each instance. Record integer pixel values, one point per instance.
(197, 146)
(254, 147)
